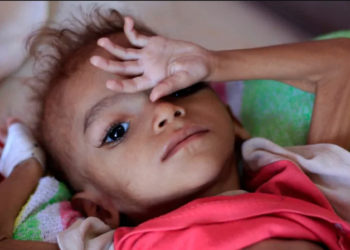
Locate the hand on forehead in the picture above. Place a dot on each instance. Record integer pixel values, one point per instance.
(162, 64)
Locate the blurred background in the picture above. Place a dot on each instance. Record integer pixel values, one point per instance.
(314, 17)
(216, 25)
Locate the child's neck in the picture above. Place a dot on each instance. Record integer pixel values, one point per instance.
(228, 180)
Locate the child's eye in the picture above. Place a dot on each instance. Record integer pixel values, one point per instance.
(115, 133)
(190, 90)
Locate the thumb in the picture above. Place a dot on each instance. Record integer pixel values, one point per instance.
(179, 81)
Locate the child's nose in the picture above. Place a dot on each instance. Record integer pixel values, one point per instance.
(165, 114)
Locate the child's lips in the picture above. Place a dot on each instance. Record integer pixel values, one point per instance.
(181, 138)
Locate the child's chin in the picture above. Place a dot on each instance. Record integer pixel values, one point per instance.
(201, 171)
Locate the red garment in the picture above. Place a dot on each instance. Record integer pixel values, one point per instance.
(285, 204)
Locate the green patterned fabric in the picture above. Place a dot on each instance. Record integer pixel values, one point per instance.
(46, 212)
(337, 34)
(279, 112)
(276, 111)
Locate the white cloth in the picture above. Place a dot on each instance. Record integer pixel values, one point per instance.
(20, 145)
(88, 234)
(326, 165)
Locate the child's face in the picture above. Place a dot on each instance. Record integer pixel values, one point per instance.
(121, 140)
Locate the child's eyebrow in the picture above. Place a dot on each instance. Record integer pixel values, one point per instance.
(94, 111)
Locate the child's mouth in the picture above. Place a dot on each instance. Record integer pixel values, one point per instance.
(181, 138)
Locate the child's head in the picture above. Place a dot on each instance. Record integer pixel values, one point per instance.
(112, 147)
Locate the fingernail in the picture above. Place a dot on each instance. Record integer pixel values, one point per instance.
(102, 42)
(153, 97)
(94, 60)
(110, 84)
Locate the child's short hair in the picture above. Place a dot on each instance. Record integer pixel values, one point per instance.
(59, 50)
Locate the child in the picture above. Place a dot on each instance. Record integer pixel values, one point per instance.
(164, 159)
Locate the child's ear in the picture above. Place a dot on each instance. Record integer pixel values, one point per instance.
(240, 132)
(87, 206)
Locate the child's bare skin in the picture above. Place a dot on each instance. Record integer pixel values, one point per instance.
(320, 67)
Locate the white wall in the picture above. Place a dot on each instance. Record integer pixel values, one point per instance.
(213, 24)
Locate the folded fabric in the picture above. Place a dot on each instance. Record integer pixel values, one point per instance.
(47, 212)
(327, 166)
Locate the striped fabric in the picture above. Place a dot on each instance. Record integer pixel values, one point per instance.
(46, 213)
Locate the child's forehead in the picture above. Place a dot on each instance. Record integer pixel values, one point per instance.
(79, 69)
(79, 65)
(88, 83)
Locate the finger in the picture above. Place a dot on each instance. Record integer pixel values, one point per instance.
(174, 83)
(118, 51)
(136, 84)
(116, 67)
(132, 35)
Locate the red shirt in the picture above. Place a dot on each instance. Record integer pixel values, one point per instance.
(283, 203)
